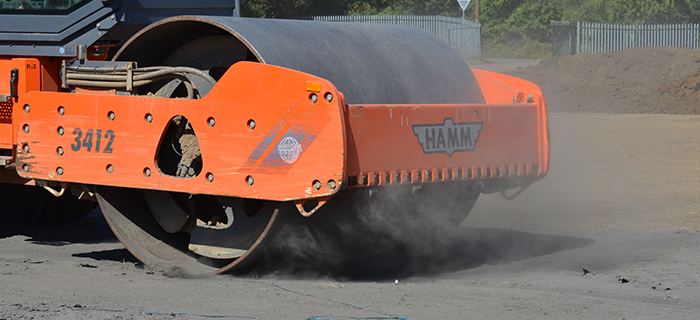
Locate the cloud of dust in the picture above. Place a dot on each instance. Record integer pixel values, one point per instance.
(395, 233)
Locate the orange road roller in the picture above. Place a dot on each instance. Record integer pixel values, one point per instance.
(196, 134)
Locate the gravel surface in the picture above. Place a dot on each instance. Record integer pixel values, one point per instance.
(612, 232)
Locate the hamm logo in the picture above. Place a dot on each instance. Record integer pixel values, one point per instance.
(448, 137)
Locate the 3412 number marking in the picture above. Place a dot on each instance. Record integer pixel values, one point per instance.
(87, 142)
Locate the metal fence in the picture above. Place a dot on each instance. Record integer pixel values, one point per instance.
(598, 37)
(563, 38)
(462, 35)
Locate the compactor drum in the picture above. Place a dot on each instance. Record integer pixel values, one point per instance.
(203, 134)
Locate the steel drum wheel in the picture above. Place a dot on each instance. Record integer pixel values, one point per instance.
(341, 53)
(163, 231)
(129, 216)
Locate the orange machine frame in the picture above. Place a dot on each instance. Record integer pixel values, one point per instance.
(334, 145)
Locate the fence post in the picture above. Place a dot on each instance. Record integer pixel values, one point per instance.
(578, 37)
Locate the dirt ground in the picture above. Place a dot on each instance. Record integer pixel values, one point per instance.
(611, 233)
(641, 80)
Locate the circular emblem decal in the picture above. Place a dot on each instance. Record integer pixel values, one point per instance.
(289, 149)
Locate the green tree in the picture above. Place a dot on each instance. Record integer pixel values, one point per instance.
(519, 28)
(638, 11)
(289, 9)
(448, 8)
(294, 8)
(510, 28)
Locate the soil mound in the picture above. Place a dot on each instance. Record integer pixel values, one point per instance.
(640, 80)
(683, 94)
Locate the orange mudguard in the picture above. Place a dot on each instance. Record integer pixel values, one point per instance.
(271, 133)
(261, 132)
(505, 138)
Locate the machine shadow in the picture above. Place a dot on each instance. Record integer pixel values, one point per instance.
(91, 229)
(448, 251)
(118, 255)
(87, 230)
(371, 250)
(388, 236)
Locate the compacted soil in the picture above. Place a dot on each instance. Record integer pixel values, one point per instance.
(613, 231)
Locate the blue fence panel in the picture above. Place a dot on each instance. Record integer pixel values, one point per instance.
(594, 38)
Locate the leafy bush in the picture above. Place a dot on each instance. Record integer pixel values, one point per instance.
(638, 11)
(518, 29)
(510, 28)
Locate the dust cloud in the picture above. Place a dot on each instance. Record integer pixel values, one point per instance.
(598, 180)
(395, 233)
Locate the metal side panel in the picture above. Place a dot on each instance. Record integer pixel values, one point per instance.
(260, 133)
(47, 33)
(395, 144)
(44, 23)
(140, 11)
